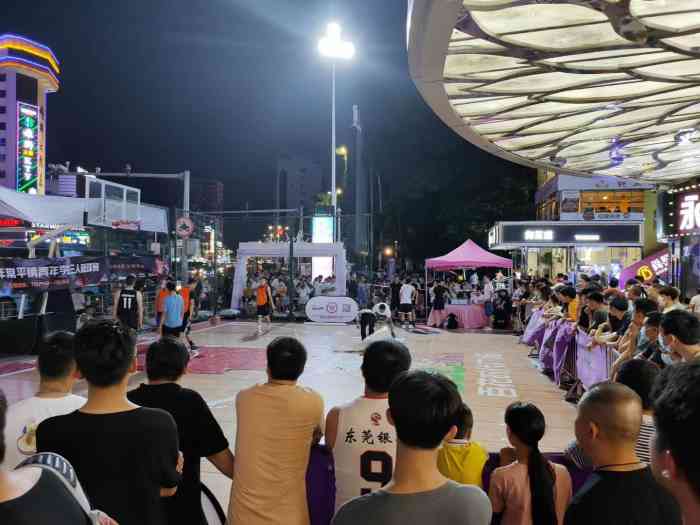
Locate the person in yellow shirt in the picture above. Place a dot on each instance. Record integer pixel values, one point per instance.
(461, 459)
(567, 295)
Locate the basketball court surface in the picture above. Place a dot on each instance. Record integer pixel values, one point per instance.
(490, 369)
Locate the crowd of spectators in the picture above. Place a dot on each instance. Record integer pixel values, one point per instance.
(403, 451)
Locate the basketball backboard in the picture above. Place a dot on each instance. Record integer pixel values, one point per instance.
(112, 205)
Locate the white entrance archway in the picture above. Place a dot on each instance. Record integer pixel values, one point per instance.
(281, 249)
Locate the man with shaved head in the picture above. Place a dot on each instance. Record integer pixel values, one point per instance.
(621, 489)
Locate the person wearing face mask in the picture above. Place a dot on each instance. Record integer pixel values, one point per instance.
(680, 335)
(635, 339)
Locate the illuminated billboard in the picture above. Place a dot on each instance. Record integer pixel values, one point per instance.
(322, 231)
(28, 171)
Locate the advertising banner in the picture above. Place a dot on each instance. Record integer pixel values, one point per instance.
(59, 273)
(48, 274)
(655, 265)
(562, 343)
(535, 324)
(138, 265)
(324, 309)
(591, 365)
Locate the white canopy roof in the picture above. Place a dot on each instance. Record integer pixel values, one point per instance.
(50, 209)
(604, 88)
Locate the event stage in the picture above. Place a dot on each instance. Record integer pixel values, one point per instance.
(490, 369)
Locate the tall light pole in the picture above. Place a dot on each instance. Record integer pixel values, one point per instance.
(334, 47)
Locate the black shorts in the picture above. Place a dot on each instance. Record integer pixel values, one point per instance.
(174, 332)
(263, 310)
(406, 308)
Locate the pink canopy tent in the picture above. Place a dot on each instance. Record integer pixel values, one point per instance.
(468, 255)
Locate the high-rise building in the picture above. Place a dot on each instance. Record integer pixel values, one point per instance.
(207, 195)
(28, 72)
(298, 182)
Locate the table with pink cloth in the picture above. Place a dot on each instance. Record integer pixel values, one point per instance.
(468, 315)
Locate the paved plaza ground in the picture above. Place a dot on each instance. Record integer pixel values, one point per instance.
(491, 370)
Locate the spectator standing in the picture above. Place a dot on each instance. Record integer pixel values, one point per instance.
(362, 292)
(652, 351)
(567, 296)
(529, 490)
(669, 298)
(36, 496)
(160, 301)
(461, 459)
(199, 434)
(265, 303)
(597, 311)
(187, 294)
(694, 305)
(639, 375)
(680, 335)
(173, 311)
(675, 460)
(126, 456)
(395, 288)
(57, 374)
(276, 425)
(424, 408)
(362, 440)
(622, 488)
(407, 297)
(129, 305)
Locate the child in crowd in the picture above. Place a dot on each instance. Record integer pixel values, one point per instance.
(461, 459)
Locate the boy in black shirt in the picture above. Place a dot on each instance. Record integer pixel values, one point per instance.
(199, 433)
(126, 456)
(622, 489)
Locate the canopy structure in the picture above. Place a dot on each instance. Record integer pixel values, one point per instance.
(52, 209)
(468, 255)
(583, 87)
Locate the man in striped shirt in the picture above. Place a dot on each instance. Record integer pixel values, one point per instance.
(639, 375)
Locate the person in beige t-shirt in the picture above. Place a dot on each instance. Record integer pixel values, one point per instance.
(277, 422)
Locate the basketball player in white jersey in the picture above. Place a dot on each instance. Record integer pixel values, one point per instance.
(362, 440)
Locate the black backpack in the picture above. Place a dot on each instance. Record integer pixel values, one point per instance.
(452, 322)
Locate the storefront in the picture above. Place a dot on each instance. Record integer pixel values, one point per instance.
(679, 222)
(569, 247)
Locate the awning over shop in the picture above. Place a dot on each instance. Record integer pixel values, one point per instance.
(537, 234)
(49, 209)
(468, 255)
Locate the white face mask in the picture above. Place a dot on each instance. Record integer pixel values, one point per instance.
(665, 349)
(666, 358)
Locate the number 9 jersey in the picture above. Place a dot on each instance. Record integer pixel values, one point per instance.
(365, 449)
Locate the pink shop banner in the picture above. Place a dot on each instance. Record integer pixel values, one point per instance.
(655, 265)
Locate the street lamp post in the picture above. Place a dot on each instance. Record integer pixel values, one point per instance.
(334, 47)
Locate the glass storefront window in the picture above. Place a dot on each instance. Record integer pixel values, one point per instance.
(612, 201)
(690, 265)
(598, 259)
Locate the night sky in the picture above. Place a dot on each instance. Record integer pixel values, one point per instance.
(220, 87)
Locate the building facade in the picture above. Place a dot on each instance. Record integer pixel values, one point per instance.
(584, 225)
(28, 73)
(298, 182)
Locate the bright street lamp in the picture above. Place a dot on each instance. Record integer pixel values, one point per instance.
(334, 47)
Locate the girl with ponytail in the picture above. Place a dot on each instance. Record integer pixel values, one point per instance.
(530, 490)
